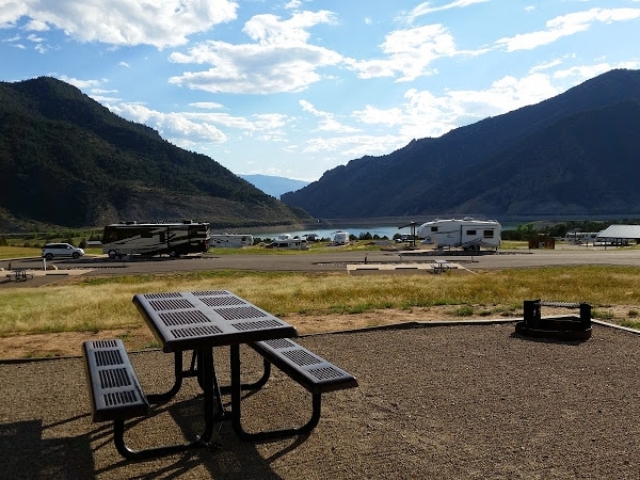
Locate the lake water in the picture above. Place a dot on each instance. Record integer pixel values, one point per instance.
(389, 232)
(388, 228)
(380, 230)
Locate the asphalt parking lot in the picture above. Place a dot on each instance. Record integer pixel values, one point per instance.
(333, 261)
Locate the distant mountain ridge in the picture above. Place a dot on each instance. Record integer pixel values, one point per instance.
(66, 160)
(576, 153)
(274, 185)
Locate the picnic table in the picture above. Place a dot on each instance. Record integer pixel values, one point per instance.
(441, 266)
(198, 322)
(19, 275)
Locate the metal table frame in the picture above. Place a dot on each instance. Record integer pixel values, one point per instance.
(199, 321)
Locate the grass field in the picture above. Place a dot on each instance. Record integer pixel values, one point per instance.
(104, 303)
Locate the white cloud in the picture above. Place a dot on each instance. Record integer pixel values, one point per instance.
(426, 8)
(579, 74)
(271, 30)
(122, 22)
(327, 121)
(124, 64)
(170, 124)
(424, 114)
(375, 116)
(281, 60)
(206, 105)
(34, 38)
(81, 84)
(293, 4)
(547, 66)
(567, 25)
(37, 26)
(410, 52)
(11, 12)
(352, 146)
(186, 128)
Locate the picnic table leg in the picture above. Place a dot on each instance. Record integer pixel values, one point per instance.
(257, 385)
(211, 385)
(202, 441)
(236, 400)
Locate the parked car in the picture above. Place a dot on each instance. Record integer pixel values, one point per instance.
(52, 250)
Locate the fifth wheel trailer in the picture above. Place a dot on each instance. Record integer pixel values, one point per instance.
(466, 233)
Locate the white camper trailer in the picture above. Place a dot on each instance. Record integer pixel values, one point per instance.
(289, 243)
(341, 238)
(467, 233)
(229, 240)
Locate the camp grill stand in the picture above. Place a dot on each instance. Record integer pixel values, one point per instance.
(562, 327)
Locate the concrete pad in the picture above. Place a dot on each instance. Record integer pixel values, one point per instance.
(387, 268)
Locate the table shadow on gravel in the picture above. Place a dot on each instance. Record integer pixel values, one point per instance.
(25, 454)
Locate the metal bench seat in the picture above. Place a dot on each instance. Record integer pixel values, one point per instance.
(114, 389)
(306, 368)
(113, 385)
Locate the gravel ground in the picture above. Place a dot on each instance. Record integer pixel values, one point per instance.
(434, 402)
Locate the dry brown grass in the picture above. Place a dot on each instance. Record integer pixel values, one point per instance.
(94, 304)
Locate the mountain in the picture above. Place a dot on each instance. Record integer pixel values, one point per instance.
(576, 153)
(66, 160)
(274, 186)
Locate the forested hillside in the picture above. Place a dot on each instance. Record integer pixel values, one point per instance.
(66, 160)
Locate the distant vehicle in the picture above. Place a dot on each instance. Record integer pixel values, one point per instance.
(229, 240)
(150, 239)
(467, 233)
(341, 238)
(52, 250)
(289, 244)
(581, 237)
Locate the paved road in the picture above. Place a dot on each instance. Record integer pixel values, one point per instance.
(337, 261)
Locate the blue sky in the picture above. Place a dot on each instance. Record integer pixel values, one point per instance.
(294, 88)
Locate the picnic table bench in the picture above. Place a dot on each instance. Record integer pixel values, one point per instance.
(305, 367)
(114, 389)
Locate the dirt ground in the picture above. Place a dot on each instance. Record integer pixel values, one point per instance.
(69, 344)
(455, 402)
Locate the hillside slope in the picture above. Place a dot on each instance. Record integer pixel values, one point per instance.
(67, 160)
(449, 174)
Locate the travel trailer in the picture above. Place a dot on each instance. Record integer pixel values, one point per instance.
(174, 239)
(289, 243)
(229, 240)
(341, 238)
(579, 237)
(467, 233)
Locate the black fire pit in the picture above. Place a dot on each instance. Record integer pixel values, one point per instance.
(562, 327)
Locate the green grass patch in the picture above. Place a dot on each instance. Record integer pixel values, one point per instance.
(464, 311)
(630, 324)
(602, 315)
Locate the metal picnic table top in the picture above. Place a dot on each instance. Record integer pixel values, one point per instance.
(203, 319)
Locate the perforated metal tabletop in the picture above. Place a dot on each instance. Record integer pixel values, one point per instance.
(209, 318)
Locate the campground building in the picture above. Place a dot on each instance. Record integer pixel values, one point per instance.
(620, 234)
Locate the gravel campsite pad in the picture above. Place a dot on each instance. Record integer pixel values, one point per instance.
(435, 402)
